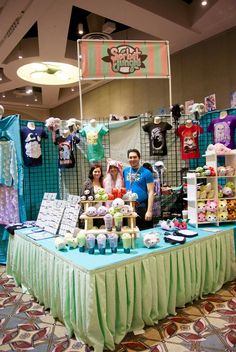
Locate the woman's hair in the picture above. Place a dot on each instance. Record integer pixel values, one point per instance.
(90, 176)
(148, 166)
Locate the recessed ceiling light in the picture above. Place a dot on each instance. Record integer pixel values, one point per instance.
(3, 95)
(27, 104)
(72, 89)
(28, 90)
(204, 2)
(49, 73)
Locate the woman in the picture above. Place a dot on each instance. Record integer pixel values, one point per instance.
(114, 177)
(95, 180)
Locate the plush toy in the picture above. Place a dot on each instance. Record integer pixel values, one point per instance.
(91, 211)
(130, 196)
(221, 171)
(201, 217)
(231, 204)
(167, 225)
(220, 191)
(223, 215)
(222, 205)
(72, 242)
(232, 215)
(211, 194)
(126, 209)
(102, 210)
(118, 203)
(197, 109)
(180, 224)
(210, 216)
(211, 206)
(150, 240)
(218, 149)
(201, 207)
(230, 170)
(176, 111)
(100, 194)
(60, 243)
(231, 185)
(227, 192)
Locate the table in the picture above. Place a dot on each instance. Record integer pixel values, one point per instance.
(102, 297)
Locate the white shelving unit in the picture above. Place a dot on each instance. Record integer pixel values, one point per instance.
(193, 181)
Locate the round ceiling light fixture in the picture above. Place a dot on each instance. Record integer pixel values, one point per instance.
(204, 2)
(49, 73)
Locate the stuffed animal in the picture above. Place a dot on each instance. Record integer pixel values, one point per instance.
(126, 209)
(210, 216)
(167, 225)
(181, 224)
(197, 109)
(230, 170)
(100, 195)
(102, 210)
(231, 204)
(60, 243)
(231, 185)
(220, 191)
(223, 215)
(118, 203)
(227, 192)
(222, 205)
(150, 240)
(218, 149)
(211, 206)
(211, 194)
(201, 217)
(91, 211)
(221, 171)
(130, 196)
(201, 207)
(232, 215)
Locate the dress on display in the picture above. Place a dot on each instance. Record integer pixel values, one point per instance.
(157, 137)
(94, 136)
(189, 141)
(223, 130)
(31, 144)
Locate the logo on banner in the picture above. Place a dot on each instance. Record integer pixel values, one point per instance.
(125, 59)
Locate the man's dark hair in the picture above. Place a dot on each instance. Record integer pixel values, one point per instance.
(133, 151)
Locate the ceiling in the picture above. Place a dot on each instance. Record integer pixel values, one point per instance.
(46, 30)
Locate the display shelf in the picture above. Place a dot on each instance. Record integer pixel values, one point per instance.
(229, 159)
(88, 220)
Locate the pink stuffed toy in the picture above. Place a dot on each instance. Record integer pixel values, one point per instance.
(201, 217)
(211, 206)
(218, 148)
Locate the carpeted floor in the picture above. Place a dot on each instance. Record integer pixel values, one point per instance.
(209, 325)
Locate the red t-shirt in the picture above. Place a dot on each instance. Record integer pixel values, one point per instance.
(189, 141)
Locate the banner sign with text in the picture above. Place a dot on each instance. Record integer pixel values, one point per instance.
(111, 59)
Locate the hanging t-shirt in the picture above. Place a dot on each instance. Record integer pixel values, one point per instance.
(31, 144)
(223, 130)
(157, 137)
(189, 141)
(94, 137)
(66, 158)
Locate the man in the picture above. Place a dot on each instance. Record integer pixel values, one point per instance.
(140, 180)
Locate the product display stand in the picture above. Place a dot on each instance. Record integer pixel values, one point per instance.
(88, 220)
(217, 181)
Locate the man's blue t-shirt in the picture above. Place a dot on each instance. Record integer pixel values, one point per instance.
(137, 180)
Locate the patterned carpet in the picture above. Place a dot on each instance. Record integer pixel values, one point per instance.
(208, 325)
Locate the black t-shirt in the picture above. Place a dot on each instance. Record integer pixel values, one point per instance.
(157, 137)
(66, 156)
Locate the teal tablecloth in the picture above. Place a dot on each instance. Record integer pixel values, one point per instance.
(100, 298)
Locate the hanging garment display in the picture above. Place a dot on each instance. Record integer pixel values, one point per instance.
(157, 137)
(189, 140)
(31, 145)
(223, 130)
(94, 133)
(9, 209)
(66, 158)
(8, 164)
(10, 126)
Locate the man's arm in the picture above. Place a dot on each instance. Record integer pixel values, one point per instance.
(150, 189)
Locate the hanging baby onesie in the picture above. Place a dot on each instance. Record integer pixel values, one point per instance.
(31, 144)
(223, 130)
(9, 209)
(94, 136)
(189, 141)
(157, 137)
(66, 158)
(8, 164)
